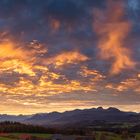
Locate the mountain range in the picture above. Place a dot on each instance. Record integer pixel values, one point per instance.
(75, 117)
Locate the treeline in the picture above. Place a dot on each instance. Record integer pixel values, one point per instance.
(119, 130)
(16, 127)
(9, 127)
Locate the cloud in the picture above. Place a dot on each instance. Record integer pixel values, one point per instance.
(71, 57)
(59, 54)
(113, 30)
(23, 70)
(133, 4)
(9, 50)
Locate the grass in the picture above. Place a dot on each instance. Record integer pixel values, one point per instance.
(138, 136)
(33, 134)
(16, 136)
(109, 136)
(42, 135)
(3, 138)
(112, 136)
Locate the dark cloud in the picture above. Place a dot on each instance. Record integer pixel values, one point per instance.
(31, 17)
(80, 77)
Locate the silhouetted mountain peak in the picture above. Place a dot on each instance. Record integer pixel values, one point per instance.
(113, 109)
(100, 108)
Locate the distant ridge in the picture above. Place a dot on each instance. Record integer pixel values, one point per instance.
(82, 117)
(77, 116)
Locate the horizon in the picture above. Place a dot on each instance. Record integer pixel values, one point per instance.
(60, 55)
(104, 108)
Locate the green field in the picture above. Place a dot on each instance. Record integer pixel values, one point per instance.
(138, 136)
(113, 136)
(107, 135)
(16, 136)
(3, 138)
(33, 134)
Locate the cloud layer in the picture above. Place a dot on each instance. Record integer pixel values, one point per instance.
(62, 55)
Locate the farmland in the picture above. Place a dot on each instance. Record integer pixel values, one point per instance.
(95, 136)
(18, 136)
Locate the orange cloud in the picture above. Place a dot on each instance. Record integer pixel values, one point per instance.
(55, 24)
(113, 30)
(72, 57)
(125, 85)
(92, 75)
(8, 49)
(15, 59)
(18, 66)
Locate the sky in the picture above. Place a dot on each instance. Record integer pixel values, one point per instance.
(58, 55)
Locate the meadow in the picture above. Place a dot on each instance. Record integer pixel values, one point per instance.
(24, 136)
(97, 136)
